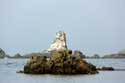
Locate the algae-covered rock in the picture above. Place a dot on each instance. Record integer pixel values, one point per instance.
(60, 62)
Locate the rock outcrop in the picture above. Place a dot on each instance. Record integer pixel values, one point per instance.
(2, 53)
(61, 62)
(59, 42)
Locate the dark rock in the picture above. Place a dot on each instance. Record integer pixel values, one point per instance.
(95, 56)
(60, 62)
(17, 56)
(2, 53)
(20, 71)
(76, 52)
(106, 68)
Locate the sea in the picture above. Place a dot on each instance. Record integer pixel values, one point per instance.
(8, 68)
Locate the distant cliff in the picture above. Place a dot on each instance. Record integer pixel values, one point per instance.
(120, 54)
(114, 56)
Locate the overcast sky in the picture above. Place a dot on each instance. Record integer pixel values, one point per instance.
(91, 26)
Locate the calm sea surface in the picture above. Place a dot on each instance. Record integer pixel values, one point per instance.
(8, 68)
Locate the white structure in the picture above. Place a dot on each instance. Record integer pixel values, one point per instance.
(59, 42)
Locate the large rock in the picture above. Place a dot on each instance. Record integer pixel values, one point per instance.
(61, 62)
(2, 53)
(59, 42)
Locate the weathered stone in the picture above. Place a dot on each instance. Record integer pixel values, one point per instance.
(61, 62)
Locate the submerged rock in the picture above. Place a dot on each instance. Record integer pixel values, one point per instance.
(106, 68)
(60, 62)
(20, 71)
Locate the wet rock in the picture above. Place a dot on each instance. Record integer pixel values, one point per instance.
(60, 62)
(106, 68)
(20, 71)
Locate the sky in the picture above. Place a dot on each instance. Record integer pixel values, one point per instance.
(91, 26)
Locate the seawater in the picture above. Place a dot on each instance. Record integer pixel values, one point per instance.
(8, 68)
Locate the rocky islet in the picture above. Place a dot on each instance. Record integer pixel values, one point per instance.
(61, 60)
